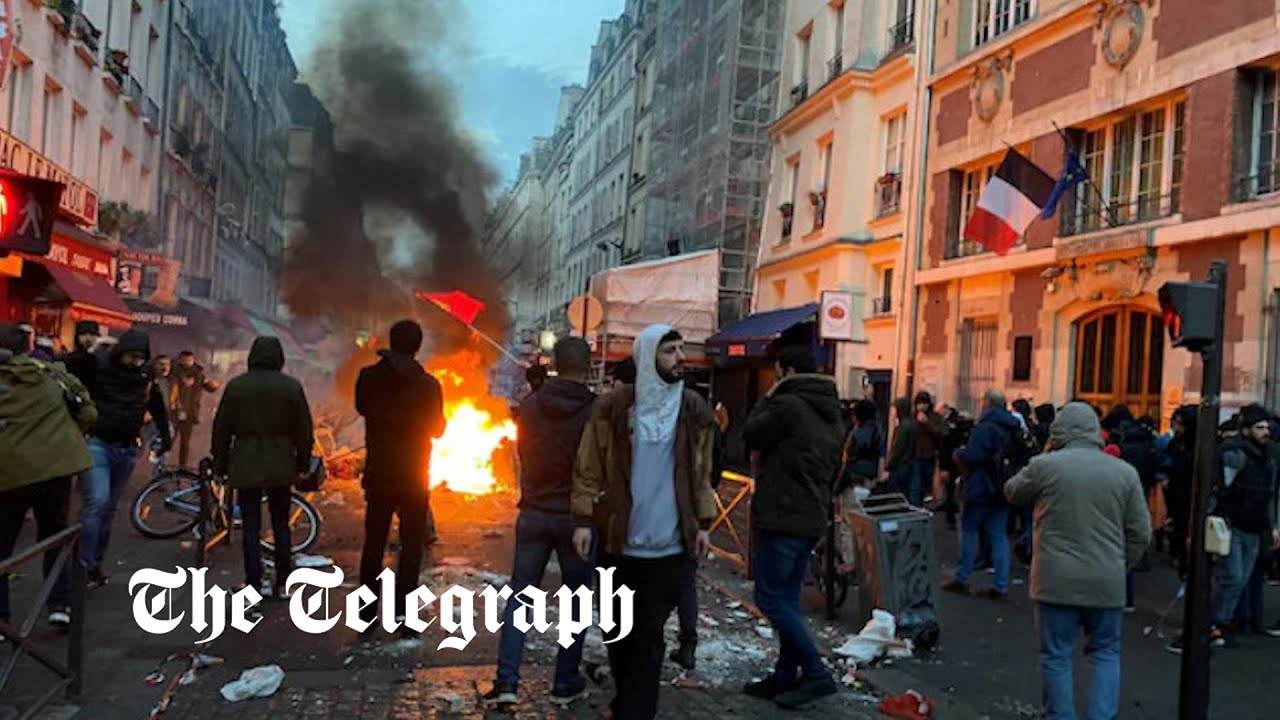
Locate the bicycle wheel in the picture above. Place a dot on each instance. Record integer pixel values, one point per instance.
(818, 571)
(168, 506)
(304, 526)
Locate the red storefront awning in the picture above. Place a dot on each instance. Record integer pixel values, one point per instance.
(92, 298)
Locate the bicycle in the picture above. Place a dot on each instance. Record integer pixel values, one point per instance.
(201, 501)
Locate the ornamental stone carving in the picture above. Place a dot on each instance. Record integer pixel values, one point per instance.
(1123, 24)
(989, 84)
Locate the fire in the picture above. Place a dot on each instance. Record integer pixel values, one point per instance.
(474, 456)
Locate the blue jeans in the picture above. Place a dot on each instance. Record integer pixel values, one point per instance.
(921, 480)
(1231, 574)
(101, 487)
(1059, 626)
(992, 521)
(780, 565)
(1249, 609)
(538, 533)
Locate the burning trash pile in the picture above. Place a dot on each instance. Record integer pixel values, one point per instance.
(476, 454)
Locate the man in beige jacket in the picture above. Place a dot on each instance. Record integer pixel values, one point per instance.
(1091, 526)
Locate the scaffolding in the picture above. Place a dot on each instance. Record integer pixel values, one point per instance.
(717, 65)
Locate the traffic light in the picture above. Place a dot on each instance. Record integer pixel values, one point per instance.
(28, 208)
(1189, 309)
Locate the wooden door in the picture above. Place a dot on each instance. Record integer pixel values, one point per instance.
(1120, 359)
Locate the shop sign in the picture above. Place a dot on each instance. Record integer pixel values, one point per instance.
(78, 256)
(78, 200)
(156, 274)
(737, 351)
(836, 319)
(155, 318)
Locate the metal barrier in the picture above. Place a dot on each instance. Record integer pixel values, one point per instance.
(741, 558)
(70, 674)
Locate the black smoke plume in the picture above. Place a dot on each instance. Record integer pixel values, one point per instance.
(400, 204)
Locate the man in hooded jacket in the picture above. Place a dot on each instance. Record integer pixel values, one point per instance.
(799, 432)
(262, 441)
(642, 482)
(403, 410)
(119, 381)
(985, 511)
(549, 432)
(1077, 576)
(41, 446)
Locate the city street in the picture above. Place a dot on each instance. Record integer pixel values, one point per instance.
(985, 667)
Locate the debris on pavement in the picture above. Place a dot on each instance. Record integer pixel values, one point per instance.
(257, 682)
(910, 705)
(312, 561)
(334, 500)
(708, 620)
(451, 703)
(876, 638)
(764, 631)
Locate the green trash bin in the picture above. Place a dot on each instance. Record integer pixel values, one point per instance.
(896, 567)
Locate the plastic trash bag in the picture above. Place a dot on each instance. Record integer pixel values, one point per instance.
(871, 643)
(256, 682)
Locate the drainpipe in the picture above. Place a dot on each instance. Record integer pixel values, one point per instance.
(162, 207)
(912, 250)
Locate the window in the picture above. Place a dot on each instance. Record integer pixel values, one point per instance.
(836, 65)
(20, 101)
(51, 130)
(1022, 358)
(902, 30)
(886, 288)
(977, 361)
(1264, 165)
(801, 89)
(1135, 163)
(789, 205)
(993, 18)
(970, 190)
(75, 159)
(824, 159)
(895, 129)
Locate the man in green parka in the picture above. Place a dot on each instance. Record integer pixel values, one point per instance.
(262, 442)
(44, 413)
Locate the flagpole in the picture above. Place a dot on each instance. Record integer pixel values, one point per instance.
(482, 335)
(1088, 179)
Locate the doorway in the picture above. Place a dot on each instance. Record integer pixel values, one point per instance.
(1120, 359)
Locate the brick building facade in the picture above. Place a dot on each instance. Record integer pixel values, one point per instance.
(1173, 108)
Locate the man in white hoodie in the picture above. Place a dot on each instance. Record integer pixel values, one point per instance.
(642, 483)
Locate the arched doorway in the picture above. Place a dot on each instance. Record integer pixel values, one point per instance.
(1120, 359)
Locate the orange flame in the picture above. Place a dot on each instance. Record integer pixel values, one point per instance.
(475, 454)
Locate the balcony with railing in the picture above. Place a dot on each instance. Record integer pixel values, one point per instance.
(116, 66)
(882, 306)
(799, 93)
(151, 115)
(1265, 182)
(1091, 214)
(902, 33)
(86, 33)
(835, 66)
(888, 195)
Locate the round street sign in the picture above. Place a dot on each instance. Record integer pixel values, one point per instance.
(594, 312)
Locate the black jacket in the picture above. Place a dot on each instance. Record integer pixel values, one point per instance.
(403, 410)
(799, 433)
(1248, 503)
(123, 395)
(550, 430)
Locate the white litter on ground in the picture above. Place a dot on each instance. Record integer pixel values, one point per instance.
(312, 561)
(872, 642)
(451, 703)
(764, 631)
(256, 682)
(334, 500)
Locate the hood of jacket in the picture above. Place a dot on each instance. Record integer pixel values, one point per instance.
(657, 405)
(401, 362)
(904, 407)
(266, 354)
(1003, 418)
(561, 398)
(1076, 425)
(22, 368)
(132, 341)
(817, 391)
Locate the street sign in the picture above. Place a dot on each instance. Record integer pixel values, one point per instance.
(836, 318)
(586, 305)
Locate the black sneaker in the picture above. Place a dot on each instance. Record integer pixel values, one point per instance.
(501, 696)
(97, 578)
(686, 655)
(566, 694)
(768, 688)
(808, 691)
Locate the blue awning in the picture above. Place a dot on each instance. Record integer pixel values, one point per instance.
(752, 335)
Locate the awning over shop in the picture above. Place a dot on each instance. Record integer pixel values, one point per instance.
(752, 335)
(144, 314)
(91, 297)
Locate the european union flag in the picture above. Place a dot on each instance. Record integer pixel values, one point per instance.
(1073, 174)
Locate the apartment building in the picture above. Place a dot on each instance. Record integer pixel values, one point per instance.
(835, 215)
(1172, 107)
(81, 106)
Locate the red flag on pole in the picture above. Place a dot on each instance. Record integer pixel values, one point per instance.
(456, 303)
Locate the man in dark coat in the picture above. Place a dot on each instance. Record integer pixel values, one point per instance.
(982, 487)
(262, 441)
(119, 382)
(550, 429)
(80, 361)
(799, 433)
(403, 409)
(191, 384)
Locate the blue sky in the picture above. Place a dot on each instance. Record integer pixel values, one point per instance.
(519, 54)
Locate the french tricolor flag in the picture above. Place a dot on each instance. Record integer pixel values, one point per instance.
(1013, 198)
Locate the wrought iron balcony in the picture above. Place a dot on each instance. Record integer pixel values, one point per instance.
(888, 194)
(84, 31)
(799, 93)
(151, 113)
(902, 33)
(134, 93)
(1265, 182)
(882, 306)
(835, 66)
(116, 64)
(1090, 214)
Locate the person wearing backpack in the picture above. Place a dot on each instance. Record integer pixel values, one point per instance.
(862, 464)
(985, 464)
